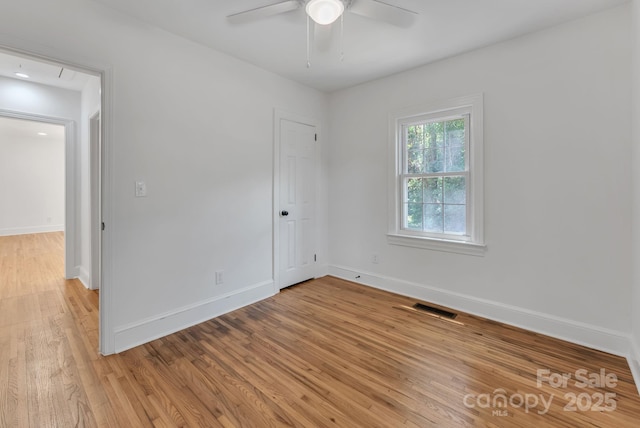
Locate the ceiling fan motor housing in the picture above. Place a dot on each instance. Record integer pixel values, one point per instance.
(324, 12)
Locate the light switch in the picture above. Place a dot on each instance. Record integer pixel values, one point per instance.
(141, 189)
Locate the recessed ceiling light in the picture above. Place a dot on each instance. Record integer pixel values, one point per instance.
(44, 134)
(23, 75)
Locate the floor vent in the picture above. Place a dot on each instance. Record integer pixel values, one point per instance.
(435, 311)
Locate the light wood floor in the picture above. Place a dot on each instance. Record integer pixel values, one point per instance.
(323, 353)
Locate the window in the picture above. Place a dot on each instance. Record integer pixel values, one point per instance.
(436, 186)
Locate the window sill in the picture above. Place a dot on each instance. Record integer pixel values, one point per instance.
(459, 247)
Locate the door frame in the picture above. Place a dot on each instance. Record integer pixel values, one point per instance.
(48, 54)
(95, 176)
(70, 190)
(279, 115)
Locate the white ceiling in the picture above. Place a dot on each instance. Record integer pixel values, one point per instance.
(372, 49)
(42, 72)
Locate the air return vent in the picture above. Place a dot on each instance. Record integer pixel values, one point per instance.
(435, 311)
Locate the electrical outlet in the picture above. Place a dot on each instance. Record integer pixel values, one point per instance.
(375, 259)
(219, 277)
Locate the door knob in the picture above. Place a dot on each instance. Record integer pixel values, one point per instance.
(284, 213)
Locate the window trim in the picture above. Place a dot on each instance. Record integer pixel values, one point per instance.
(473, 243)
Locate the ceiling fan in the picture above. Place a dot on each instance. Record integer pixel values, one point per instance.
(325, 12)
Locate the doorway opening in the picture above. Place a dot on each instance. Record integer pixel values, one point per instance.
(32, 177)
(37, 89)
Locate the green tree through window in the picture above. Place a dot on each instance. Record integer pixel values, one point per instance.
(435, 178)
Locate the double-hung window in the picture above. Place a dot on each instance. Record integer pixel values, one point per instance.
(436, 186)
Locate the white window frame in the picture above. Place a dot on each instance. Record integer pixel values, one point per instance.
(472, 243)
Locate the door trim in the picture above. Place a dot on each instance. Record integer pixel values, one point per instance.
(95, 175)
(279, 115)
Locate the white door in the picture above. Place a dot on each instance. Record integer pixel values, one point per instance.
(297, 202)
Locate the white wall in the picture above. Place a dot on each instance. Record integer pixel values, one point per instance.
(197, 126)
(635, 351)
(32, 181)
(557, 183)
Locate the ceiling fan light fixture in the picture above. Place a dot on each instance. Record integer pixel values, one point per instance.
(324, 12)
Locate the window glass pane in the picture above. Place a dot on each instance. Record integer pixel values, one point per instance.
(454, 145)
(433, 218)
(414, 190)
(454, 130)
(455, 219)
(434, 160)
(455, 190)
(414, 216)
(434, 135)
(415, 137)
(415, 161)
(454, 158)
(433, 190)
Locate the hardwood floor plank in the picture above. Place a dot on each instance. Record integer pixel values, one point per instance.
(327, 353)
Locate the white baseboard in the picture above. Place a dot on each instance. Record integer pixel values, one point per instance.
(144, 331)
(634, 362)
(11, 231)
(611, 341)
(83, 277)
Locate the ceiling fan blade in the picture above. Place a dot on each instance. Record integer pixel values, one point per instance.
(384, 12)
(263, 11)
